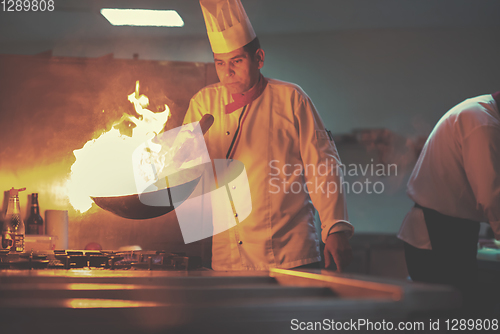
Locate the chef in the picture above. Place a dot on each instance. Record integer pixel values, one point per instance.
(273, 128)
(455, 185)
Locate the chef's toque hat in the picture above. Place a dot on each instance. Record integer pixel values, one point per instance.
(228, 27)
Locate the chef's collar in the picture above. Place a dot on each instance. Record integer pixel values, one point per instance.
(241, 100)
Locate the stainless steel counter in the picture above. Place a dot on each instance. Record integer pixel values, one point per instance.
(141, 301)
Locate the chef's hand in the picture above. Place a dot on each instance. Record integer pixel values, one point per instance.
(338, 250)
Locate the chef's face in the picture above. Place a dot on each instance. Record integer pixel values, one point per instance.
(238, 71)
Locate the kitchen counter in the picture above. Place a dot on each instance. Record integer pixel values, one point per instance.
(488, 263)
(142, 301)
(489, 258)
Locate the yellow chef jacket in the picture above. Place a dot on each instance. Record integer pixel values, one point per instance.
(291, 162)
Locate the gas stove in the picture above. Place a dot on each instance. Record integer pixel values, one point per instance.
(103, 260)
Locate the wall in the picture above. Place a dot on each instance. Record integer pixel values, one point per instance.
(51, 107)
(402, 80)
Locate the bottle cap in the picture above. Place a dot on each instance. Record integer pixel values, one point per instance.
(14, 192)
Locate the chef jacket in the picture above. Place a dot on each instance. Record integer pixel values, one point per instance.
(457, 173)
(280, 134)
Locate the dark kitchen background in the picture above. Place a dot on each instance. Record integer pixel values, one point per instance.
(380, 72)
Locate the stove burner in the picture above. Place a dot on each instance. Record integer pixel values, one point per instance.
(111, 260)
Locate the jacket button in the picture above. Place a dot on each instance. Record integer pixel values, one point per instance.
(228, 133)
(240, 242)
(236, 215)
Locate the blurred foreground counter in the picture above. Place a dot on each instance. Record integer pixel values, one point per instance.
(488, 262)
(204, 301)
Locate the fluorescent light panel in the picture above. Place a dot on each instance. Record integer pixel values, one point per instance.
(142, 17)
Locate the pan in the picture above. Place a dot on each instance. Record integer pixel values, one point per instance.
(133, 207)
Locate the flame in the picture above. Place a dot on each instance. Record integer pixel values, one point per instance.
(103, 166)
(107, 303)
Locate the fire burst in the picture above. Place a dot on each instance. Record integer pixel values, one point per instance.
(104, 167)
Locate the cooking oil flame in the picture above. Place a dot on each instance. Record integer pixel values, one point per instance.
(104, 166)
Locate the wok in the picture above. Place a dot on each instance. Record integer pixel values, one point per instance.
(133, 207)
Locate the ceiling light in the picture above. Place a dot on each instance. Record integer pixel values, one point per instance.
(142, 17)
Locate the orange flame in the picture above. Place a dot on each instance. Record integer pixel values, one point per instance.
(103, 166)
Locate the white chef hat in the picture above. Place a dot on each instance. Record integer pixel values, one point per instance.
(228, 27)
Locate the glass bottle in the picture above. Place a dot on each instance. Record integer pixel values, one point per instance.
(13, 225)
(34, 223)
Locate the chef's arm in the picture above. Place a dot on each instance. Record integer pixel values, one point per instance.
(318, 149)
(188, 144)
(481, 156)
(194, 112)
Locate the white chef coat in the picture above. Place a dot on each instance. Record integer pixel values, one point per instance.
(458, 171)
(281, 131)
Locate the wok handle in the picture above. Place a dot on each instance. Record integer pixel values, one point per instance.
(206, 122)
